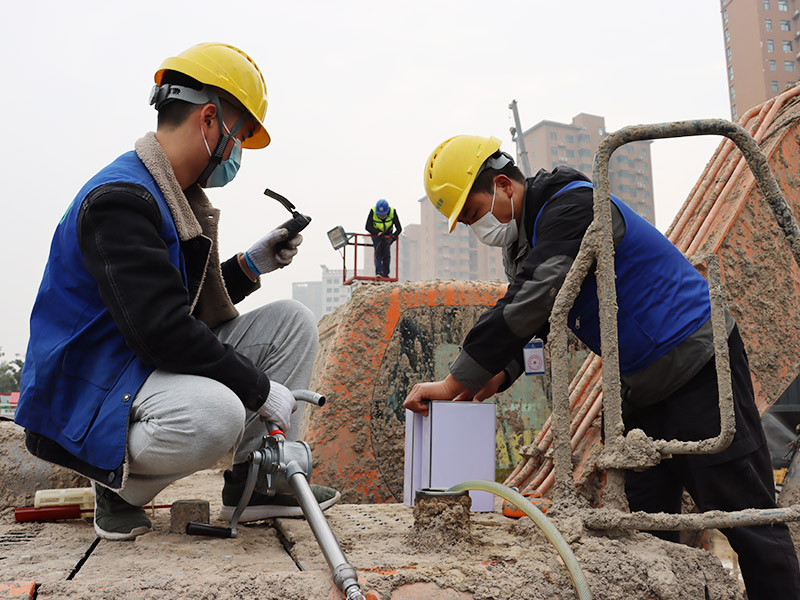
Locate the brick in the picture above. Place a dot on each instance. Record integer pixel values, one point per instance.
(185, 511)
(18, 590)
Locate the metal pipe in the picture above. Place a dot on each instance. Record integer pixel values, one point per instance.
(344, 575)
(309, 396)
(544, 472)
(579, 376)
(560, 416)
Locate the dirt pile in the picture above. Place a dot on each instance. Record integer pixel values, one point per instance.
(21, 473)
(441, 521)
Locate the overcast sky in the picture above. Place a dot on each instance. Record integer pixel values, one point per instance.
(359, 95)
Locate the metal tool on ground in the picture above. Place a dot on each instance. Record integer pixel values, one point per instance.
(284, 467)
(297, 223)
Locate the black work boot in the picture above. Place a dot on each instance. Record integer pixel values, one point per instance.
(262, 506)
(115, 519)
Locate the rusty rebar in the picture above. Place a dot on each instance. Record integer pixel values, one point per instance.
(714, 519)
(597, 249)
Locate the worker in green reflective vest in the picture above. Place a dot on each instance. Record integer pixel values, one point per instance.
(383, 224)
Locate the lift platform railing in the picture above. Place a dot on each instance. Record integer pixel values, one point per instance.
(364, 240)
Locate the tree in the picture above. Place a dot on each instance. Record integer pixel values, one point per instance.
(10, 373)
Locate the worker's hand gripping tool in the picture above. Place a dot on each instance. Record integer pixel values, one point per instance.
(296, 224)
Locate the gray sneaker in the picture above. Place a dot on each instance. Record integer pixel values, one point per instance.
(115, 519)
(262, 506)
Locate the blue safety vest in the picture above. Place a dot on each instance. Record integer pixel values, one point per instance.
(662, 299)
(80, 377)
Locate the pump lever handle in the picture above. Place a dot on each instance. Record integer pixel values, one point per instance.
(209, 530)
(309, 396)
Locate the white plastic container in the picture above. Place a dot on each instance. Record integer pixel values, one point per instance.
(455, 442)
(62, 497)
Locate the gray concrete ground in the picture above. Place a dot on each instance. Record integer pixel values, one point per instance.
(280, 559)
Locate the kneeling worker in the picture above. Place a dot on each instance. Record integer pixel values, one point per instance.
(669, 385)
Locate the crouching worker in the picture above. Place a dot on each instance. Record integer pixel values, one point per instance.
(139, 370)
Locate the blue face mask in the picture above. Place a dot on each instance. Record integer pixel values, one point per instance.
(225, 171)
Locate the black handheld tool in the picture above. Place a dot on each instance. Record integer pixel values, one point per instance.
(294, 225)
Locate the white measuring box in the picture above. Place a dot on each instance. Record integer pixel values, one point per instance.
(455, 442)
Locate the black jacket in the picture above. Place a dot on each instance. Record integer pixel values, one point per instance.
(156, 313)
(165, 321)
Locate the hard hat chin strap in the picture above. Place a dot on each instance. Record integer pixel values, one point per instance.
(219, 150)
(216, 156)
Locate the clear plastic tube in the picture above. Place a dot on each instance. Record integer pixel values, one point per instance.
(542, 522)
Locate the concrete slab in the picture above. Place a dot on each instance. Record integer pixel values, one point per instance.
(162, 554)
(41, 551)
(280, 559)
(506, 559)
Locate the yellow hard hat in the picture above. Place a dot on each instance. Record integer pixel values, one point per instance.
(229, 69)
(451, 170)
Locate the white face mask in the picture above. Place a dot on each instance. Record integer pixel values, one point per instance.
(491, 231)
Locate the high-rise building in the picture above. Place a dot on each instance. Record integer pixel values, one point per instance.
(323, 296)
(427, 251)
(409, 248)
(309, 293)
(762, 42)
(630, 175)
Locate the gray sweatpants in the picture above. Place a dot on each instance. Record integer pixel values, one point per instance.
(180, 424)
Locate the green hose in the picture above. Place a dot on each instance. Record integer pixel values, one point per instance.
(541, 521)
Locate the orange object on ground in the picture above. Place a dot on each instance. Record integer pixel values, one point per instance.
(511, 510)
(61, 512)
(18, 590)
(48, 513)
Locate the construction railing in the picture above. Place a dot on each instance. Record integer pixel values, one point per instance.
(364, 240)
